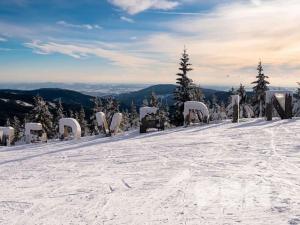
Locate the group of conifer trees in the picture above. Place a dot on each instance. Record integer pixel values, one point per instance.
(49, 114)
(251, 104)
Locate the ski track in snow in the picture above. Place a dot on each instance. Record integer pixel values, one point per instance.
(223, 173)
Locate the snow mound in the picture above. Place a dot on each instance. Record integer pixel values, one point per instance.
(222, 173)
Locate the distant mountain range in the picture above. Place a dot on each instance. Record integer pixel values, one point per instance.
(20, 102)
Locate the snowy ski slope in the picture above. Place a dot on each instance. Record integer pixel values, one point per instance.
(247, 173)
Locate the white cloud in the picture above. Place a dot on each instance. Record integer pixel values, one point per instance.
(232, 38)
(126, 19)
(137, 6)
(79, 26)
(2, 39)
(77, 50)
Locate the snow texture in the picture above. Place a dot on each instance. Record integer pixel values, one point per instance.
(73, 124)
(194, 105)
(115, 122)
(222, 173)
(144, 111)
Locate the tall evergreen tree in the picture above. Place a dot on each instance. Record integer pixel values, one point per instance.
(246, 109)
(125, 123)
(153, 100)
(134, 117)
(16, 124)
(111, 107)
(184, 89)
(296, 107)
(98, 107)
(145, 102)
(298, 91)
(41, 114)
(8, 123)
(83, 123)
(58, 114)
(260, 88)
(242, 93)
(197, 93)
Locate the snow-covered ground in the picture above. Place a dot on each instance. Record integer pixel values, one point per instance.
(247, 173)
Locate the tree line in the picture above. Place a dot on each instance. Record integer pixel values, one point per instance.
(186, 90)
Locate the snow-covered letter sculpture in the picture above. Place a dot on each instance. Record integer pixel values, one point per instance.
(149, 118)
(34, 133)
(6, 135)
(235, 102)
(282, 101)
(102, 123)
(114, 125)
(67, 126)
(194, 110)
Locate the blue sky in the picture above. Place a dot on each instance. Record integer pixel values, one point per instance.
(140, 41)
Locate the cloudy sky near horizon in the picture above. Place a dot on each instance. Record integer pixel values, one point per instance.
(140, 41)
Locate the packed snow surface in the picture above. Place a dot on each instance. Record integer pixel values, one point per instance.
(247, 173)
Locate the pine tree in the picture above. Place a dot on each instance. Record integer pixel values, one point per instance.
(58, 114)
(98, 107)
(246, 109)
(71, 114)
(215, 109)
(125, 124)
(16, 124)
(134, 117)
(59, 110)
(41, 114)
(242, 93)
(164, 115)
(153, 100)
(8, 123)
(184, 89)
(83, 123)
(260, 88)
(232, 91)
(298, 91)
(145, 102)
(296, 107)
(197, 93)
(112, 107)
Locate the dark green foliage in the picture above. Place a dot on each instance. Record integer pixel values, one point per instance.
(184, 90)
(260, 88)
(153, 100)
(41, 114)
(134, 116)
(242, 93)
(82, 121)
(16, 124)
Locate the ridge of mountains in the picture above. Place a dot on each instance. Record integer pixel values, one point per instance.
(19, 102)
